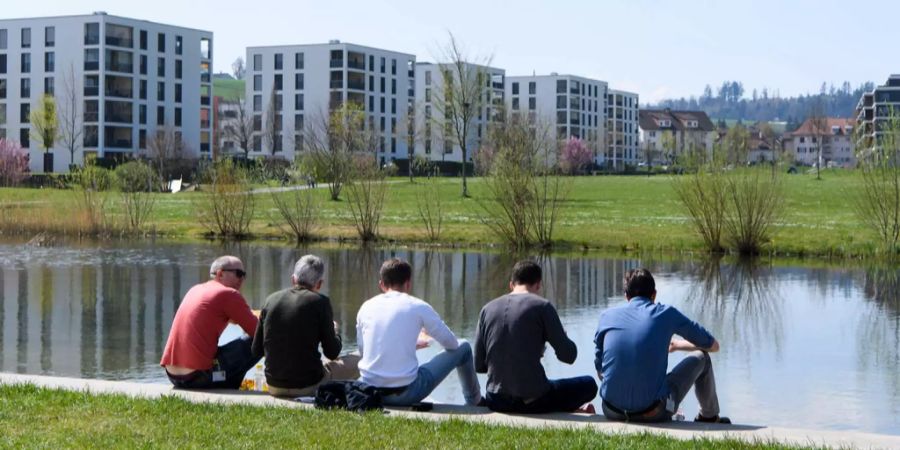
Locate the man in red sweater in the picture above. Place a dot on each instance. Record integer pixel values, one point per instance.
(192, 358)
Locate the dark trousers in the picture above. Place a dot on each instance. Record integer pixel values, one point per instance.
(234, 358)
(565, 395)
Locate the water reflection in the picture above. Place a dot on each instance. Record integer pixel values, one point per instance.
(879, 329)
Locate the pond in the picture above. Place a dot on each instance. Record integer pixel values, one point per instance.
(801, 347)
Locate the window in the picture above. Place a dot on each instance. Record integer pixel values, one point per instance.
(257, 103)
(515, 103)
(161, 42)
(3, 39)
(49, 87)
(393, 67)
(279, 61)
(143, 65)
(394, 86)
(91, 59)
(532, 88)
(24, 112)
(382, 85)
(142, 114)
(2, 64)
(178, 69)
(427, 95)
(257, 62)
(178, 45)
(26, 37)
(24, 138)
(160, 115)
(382, 64)
(91, 33)
(119, 35)
(161, 91)
(381, 106)
(143, 90)
(532, 103)
(142, 139)
(298, 102)
(515, 88)
(298, 61)
(49, 36)
(279, 82)
(143, 39)
(428, 78)
(371, 63)
(371, 83)
(177, 117)
(2, 89)
(257, 122)
(298, 122)
(25, 87)
(298, 81)
(26, 63)
(393, 106)
(49, 62)
(561, 86)
(161, 67)
(177, 93)
(257, 82)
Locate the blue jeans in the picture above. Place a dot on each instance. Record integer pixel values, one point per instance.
(433, 372)
(235, 358)
(565, 395)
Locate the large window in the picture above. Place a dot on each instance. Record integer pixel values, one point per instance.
(91, 59)
(91, 33)
(49, 36)
(91, 85)
(119, 61)
(117, 112)
(26, 37)
(2, 64)
(119, 35)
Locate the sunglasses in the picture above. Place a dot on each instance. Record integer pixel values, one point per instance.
(239, 272)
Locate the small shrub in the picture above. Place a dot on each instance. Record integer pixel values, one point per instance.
(13, 163)
(135, 180)
(227, 208)
(90, 183)
(298, 210)
(575, 156)
(366, 193)
(430, 207)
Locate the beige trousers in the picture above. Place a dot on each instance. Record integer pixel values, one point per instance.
(343, 368)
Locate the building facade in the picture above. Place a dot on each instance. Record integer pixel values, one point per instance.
(667, 134)
(874, 110)
(829, 144)
(127, 78)
(305, 83)
(435, 138)
(622, 130)
(567, 105)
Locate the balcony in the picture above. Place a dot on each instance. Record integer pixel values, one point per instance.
(337, 63)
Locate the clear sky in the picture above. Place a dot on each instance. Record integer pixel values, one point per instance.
(657, 48)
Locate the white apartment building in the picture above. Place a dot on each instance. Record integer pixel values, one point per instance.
(830, 146)
(130, 78)
(874, 111)
(667, 134)
(570, 106)
(306, 82)
(622, 130)
(433, 139)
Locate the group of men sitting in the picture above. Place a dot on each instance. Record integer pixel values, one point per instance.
(632, 345)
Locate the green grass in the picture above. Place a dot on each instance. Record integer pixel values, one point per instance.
(607, 213)
(230, 90)
(32, 417)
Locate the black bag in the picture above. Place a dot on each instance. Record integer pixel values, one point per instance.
(350, 395)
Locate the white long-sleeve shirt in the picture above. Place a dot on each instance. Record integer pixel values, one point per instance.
(387, 329)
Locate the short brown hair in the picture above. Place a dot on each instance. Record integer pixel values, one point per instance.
(639, 283)
(395, 272)
(526, 272)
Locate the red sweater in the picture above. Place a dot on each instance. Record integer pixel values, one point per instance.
(202, 316)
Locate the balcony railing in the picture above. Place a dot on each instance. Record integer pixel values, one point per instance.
(337, 84)
(337, 63)
(355, 64)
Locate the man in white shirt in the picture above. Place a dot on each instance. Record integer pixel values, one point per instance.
(387, 332)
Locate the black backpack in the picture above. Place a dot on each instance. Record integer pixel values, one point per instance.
(350, 395)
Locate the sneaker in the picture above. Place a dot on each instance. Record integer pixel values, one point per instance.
(713, 419)
(587, 408)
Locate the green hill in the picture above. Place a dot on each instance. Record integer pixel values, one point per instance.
(230, 90)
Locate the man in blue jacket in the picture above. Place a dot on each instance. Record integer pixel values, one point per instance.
(632, 346)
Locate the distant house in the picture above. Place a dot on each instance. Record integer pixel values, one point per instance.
(833, 136)
(668, 134)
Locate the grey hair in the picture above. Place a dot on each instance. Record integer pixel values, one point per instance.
(309, 270)
(223, 262)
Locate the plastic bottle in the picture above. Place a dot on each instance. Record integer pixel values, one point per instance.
(259, 378)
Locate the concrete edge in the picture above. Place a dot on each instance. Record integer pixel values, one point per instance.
(679, 430)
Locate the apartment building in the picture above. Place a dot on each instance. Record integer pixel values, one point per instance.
(130, 78)
(434, 138)
(622, 130)
(667, 134)
(874, 110)
(833, 136)
(306, 82)
(568, 105)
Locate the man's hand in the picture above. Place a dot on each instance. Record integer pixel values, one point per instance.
(337, 328)
(681, 345)
(255, 312)
(424, 340)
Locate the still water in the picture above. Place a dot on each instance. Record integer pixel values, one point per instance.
(801, 347)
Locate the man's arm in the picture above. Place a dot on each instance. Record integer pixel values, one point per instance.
(695, 336)
(436, 327)
(331, 341)
(566, 350)
(238, 311)
(681, 345)
(480, 362)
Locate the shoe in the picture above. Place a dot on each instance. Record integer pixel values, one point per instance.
(587, 408)
(713, 419)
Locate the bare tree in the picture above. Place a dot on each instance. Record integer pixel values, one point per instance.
(271, 133)
(462, 96)
(332, 140)
(818, 123)
(239, 128)
(238, 69)
(71, 128)
(165, 149)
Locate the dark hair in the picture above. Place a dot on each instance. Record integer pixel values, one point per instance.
(395, 271)
(526, 272)
(639, 283)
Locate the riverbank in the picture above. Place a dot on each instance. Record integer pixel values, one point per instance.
(68, 412)
(629, 214)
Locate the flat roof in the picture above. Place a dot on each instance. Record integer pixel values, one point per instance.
(327, 44)
(104, 15)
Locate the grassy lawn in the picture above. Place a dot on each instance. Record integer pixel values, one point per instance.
(610, 213)
(230, 90)
(31, 417)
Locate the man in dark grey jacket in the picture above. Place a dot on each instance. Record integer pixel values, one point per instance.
(292, 325)
(510, 338)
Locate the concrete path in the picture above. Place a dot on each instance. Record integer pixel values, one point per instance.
(680, 430)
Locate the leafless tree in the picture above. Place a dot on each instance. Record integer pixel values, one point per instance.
(239, 128)
(71, 128)
(238, 69)
(271, 133)
(461, 96)
(165, 150)
(818, 123)
(332, 139)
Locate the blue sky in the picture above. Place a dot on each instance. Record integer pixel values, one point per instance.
(657, 48)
